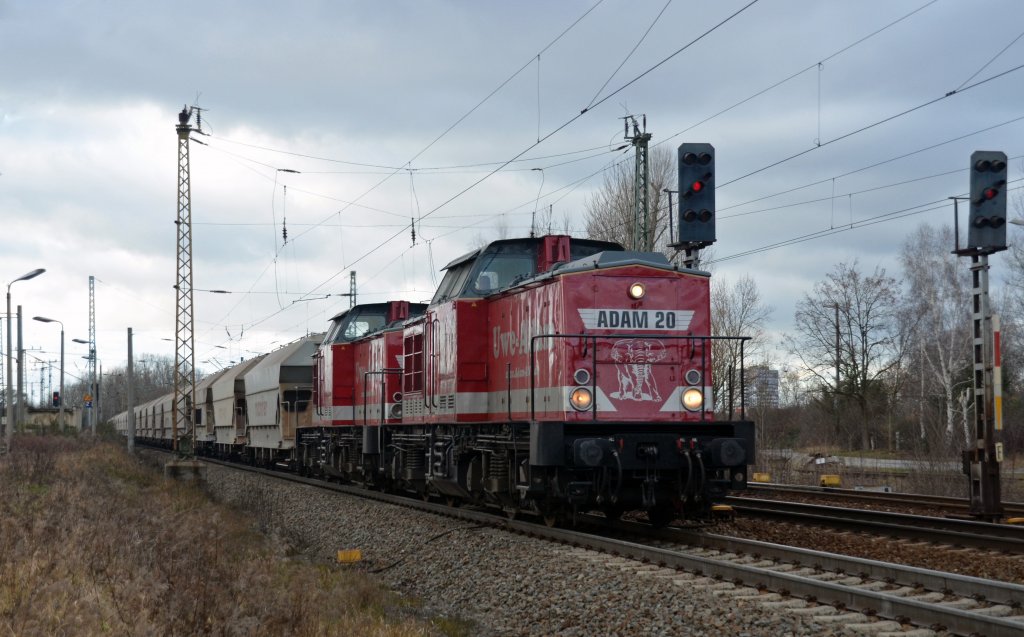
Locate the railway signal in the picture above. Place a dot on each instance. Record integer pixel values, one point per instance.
(987, 225)
(696, 194)
(986, 234)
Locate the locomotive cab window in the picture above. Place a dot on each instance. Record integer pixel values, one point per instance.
(333, 331)
(502, 265)
(356, 323)
(453, 282)
(362, 325)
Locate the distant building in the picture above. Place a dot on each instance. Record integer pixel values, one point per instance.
(762, 387)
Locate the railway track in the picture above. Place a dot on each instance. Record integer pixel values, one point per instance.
(949, 531)
(825, 586)
(956, 506)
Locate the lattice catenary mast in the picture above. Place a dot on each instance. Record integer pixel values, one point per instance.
(184, 341)
(642, 234)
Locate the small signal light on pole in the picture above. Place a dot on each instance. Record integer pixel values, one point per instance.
(696, 194)
(986, 230)
(56, 399)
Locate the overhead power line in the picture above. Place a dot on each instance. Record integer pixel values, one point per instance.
(938, 204)
(874, 124)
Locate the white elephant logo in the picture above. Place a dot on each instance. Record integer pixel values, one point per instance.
(633, 359)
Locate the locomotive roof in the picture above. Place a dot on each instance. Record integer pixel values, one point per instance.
(414, 308)
(339, 332)
(618, 259)
(607, 245)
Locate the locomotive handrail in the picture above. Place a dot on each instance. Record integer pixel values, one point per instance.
(430, 364)
(593, 338)
(508, 389)
(425, 354)
(316, 384)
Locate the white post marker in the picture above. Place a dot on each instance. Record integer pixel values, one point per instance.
(997, 373)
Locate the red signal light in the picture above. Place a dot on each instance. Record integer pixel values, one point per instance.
(697, 186)
(990, 193)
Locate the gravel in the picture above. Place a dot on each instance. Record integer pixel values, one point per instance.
(496, 583)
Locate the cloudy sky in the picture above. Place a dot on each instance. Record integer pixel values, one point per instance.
(840, 127)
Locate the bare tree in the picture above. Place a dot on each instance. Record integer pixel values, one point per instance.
(865, 338)
(610, 210)
(940, 302)
(499, 230)
(154, 377)
(736, 310)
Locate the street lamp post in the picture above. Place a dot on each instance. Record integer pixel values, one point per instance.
(9, 429)
(60, 396)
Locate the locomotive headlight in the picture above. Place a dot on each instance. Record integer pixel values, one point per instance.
(693, 377)
(637, 291)
(581, 376)
(693, 399)
(581, 399)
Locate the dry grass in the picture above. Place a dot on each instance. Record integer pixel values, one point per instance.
(93, 542)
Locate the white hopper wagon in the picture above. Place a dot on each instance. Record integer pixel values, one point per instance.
(278, 395)
(227, 393)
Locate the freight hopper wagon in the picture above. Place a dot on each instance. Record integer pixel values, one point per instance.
(203, 414)
(278, 397)
(154, 422)
(228, 413)
(357, 389)
(558, 375)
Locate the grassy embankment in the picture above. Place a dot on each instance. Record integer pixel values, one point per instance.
(94, 542)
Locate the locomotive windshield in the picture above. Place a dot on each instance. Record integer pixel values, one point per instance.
(500, 266)
(355, 323)
(504, 263)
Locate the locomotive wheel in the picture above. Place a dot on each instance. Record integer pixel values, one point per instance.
(662, 514)
(512, 513)
(613, 511)
(551, 514)
(452, 502)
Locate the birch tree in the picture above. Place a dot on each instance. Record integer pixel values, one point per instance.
(736, 310)
(939, 296)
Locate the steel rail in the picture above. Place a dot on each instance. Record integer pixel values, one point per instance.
(970, 533)
(894, 498)
(898, 574)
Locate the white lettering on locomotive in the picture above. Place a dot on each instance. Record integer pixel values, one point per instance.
(617, 318)
(633, 359)
(514, 342)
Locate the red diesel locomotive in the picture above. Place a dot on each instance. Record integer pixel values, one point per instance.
(546, 374)
(356, 390)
